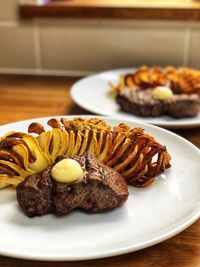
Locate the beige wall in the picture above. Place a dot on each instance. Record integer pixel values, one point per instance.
(82, 46)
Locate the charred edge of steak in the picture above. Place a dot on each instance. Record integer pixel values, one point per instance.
(34, 194)
(100, 189)
(141, 103)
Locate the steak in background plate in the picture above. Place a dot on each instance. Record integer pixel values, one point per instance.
(142, 103)
(100, 189)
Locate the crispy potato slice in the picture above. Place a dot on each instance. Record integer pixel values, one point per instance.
(23, 173)
(24, 154)
(7, 135)
(180, 80)
(129, 151)
(11, 155)
(71, 144)
(130, 172)
(120, 152)
(121, 166)
(78, 143)
(84, 142)
(41, 161)
(6, 180)
(56, 143)
(64, 142)
(44, 140)
(100, 142)
(93, 143)
(36, 128)
(104, 156)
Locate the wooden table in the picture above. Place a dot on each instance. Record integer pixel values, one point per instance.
(25, 97)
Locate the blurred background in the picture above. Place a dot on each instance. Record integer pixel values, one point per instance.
(82, 40)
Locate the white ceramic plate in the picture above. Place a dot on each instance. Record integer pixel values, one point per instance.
(91, 93)
(150, 215)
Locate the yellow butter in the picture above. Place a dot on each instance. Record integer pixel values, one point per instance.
(67, 171)
(162, 93)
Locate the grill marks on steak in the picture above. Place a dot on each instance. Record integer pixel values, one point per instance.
(142, 103)
(100, 189)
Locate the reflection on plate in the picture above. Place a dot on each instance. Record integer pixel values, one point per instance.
(91, 93)
(150, 215)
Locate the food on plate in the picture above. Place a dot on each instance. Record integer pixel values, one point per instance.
(162, 93)
(67, 171)
(98, 188)
(155, 91)
(143, 103)
(137, 156)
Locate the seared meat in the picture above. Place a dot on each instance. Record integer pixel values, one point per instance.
(142, 103)
(101, 188)
(183, 105)
(34, 194)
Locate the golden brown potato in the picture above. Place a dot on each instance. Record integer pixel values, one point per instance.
(180, 80)
(132, 152)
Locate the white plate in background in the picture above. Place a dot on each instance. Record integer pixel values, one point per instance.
(149, 216)
(91, 93)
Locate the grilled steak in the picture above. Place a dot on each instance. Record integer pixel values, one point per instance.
(34, 194)
(183, 105)
(142, 103)
(101, 188)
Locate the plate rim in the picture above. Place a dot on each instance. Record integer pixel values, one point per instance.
(167, 124)
(127, 249)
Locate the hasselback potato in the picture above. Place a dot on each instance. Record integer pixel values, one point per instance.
(136, 155)
(181, 80)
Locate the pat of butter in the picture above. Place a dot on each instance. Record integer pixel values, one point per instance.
(162, 93)
(67, 171)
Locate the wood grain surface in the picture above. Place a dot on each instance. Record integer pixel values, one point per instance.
(114, 9)
(25, 97)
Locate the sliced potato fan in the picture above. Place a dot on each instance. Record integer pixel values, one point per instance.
(180, 80)
(132, 152)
